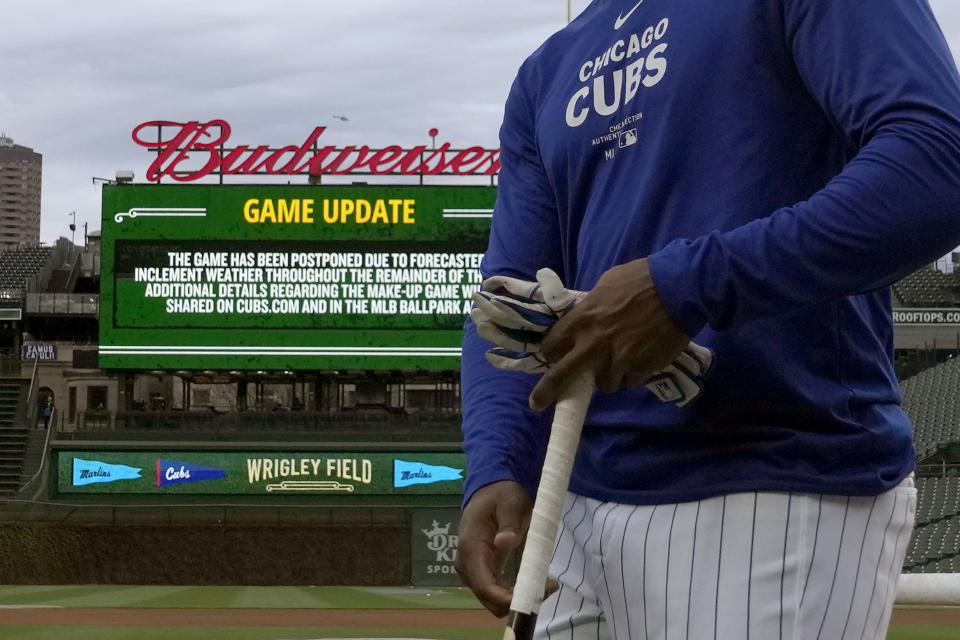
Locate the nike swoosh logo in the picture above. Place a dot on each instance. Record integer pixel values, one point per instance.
(623, 18)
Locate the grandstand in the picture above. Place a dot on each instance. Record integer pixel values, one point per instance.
(928, 287)
(931, 400)
(20, 266)
(935, 547)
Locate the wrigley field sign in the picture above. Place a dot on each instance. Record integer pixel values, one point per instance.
(259, 473)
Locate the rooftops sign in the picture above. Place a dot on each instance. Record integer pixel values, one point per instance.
(188, 151)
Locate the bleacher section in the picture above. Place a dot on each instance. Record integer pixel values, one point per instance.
(928, 287)
(932, 400)
(936, 539)
(21, 264)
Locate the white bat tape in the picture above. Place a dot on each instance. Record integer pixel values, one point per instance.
(568, 420)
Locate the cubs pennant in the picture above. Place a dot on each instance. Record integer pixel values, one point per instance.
(170, 472)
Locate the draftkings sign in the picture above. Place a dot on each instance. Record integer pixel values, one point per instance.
(434, 537)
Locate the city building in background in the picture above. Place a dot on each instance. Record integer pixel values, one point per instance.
(20, 178)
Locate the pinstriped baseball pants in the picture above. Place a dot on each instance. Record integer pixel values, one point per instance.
(783, 566)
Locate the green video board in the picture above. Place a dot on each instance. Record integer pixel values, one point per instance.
(258, 473)
(289, 277)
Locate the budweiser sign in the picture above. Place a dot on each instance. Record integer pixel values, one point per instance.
(188, 151)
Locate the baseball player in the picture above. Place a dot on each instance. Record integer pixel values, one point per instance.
(741, 179)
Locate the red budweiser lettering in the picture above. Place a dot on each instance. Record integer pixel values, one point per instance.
(197, 149)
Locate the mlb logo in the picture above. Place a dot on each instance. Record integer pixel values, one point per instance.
(628, 138)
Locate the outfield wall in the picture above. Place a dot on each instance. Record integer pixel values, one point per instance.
(203, 555)
(217, 545)
(202, 513)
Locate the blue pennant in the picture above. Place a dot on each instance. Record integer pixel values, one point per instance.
(91, 471)
(406, 473)
(169, 472)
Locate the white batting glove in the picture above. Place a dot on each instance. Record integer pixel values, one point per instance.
(515, 314)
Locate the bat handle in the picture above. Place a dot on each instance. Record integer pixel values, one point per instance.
(568, 417)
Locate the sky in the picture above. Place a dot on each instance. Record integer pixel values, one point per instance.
(77, 77)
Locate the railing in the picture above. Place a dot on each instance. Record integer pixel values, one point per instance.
(32, 396)
(54, 419)
(938, 470)
(63, 303)
(233, 426)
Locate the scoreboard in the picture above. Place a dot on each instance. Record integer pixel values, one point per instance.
(289, 276)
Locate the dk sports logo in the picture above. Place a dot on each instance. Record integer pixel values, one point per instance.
(443, 548)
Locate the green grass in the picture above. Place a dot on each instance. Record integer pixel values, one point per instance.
(917, 632)
(239, 597)
(922, 632)
(359, 598)
(240, 633)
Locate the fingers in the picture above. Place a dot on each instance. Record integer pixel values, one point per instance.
(513, 313)
(527, 362)
(476, 563)
(678, 383)
(511, 286)
(621, 332)
(512, 339)
(493, 526)
(550, 387)
(554, 294)
(552, 586)
(702, 356)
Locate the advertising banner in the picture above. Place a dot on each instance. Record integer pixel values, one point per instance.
(289, 277)
(433, 545)
(927, 316)
(258, 473)
(38, 351)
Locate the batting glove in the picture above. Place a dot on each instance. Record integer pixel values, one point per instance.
(515, 314)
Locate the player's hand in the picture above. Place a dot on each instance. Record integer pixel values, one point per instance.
(493, 525)
(620, 331)
(516, 314)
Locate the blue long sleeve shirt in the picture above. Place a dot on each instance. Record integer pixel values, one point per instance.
(781, 163)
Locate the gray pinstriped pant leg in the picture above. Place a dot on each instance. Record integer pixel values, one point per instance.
(751, 565)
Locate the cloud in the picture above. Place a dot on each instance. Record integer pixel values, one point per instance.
(79, 76)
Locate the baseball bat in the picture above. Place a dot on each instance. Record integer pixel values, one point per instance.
(568, 417)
